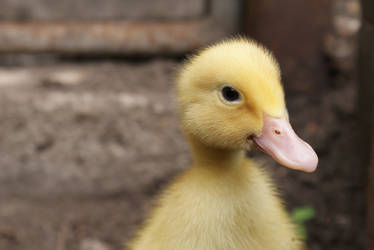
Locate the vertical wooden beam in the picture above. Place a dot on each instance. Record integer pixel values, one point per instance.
(366, 103)
(294, 43)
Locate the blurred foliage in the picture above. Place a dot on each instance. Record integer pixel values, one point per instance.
(300, 216)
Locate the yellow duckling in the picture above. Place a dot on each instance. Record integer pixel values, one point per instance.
(230, 95)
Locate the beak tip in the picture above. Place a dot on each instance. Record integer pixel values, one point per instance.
(285, 146)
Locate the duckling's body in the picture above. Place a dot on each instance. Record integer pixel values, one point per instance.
(218, 208)
(225, 201)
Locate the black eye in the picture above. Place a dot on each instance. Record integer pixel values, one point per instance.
(230, 94)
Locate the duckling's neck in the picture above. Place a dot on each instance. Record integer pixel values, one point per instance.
(214, 157)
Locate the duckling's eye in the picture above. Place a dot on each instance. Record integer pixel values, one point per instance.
(230, 94)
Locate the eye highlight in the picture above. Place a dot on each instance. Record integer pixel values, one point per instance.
(230, 94)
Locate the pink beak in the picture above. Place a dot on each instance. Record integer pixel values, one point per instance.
(280, 141)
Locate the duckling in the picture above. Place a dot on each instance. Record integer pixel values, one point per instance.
(230, 98)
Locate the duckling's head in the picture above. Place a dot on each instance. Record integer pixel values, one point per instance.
(231, 95)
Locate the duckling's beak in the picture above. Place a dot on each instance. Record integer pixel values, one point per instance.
(279, 140)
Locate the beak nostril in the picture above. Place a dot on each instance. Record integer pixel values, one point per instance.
(250, 137)
(277, 131)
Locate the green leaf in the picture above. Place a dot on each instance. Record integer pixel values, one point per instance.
(299, 216)
(303, 214)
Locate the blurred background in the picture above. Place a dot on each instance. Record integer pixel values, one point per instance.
(88, 126)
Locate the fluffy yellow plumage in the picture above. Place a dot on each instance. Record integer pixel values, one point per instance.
(224, 201)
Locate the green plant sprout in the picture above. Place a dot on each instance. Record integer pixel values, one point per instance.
(300, 216)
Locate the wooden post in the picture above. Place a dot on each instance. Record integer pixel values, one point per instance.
(366, 103)
(276, 35)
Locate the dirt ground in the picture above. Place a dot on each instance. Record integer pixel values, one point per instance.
(83, 154)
